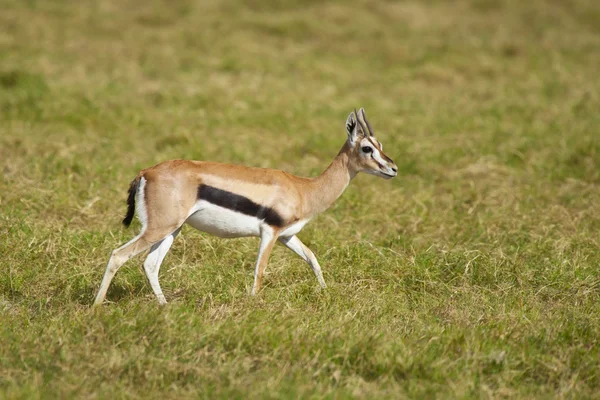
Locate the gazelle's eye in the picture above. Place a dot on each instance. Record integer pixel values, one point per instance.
(367, 149)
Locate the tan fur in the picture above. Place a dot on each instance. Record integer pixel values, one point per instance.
(171, 190)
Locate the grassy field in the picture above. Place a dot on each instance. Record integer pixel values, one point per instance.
(474, 274)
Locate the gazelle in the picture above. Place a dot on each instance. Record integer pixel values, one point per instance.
(235, 201)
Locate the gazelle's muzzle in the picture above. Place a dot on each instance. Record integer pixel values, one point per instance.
(387, 168)
(390, 170)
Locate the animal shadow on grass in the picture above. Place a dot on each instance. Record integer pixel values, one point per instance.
(85, 294)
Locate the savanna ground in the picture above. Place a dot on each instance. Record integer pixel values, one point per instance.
(474, 273)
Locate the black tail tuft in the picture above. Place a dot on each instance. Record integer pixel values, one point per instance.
(133, 188)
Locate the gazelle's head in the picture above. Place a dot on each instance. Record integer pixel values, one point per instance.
(365, 151)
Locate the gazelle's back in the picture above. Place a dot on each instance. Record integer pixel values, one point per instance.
(224, 200)
(232, 201)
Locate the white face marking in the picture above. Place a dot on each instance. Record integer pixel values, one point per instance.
(385, 166)
(376, 154)
(378, 158)
(222, 222)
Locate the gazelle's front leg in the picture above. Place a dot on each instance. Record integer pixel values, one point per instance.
(294, 244)
(268, 237)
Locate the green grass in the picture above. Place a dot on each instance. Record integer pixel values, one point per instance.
(474, 274)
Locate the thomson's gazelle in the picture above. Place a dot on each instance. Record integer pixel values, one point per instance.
(234, 201)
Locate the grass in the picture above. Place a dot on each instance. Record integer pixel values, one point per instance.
(474, 274)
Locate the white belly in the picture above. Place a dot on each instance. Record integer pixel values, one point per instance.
(223, 222)
(294, 228)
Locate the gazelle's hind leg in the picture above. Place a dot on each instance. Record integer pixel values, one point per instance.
(152, 264)
(160, 223)
(117, 258)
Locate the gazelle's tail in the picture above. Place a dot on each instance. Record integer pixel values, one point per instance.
(133, 188)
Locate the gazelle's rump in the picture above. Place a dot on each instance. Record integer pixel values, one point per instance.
(232, 201)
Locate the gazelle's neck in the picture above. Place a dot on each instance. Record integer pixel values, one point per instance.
(327, 187)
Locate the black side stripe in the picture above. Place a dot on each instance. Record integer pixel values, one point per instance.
(241, 204)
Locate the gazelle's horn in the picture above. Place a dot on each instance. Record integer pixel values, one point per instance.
(360, 116)
(369, 126)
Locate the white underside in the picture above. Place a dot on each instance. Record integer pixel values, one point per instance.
(294, 228)
(222, 222)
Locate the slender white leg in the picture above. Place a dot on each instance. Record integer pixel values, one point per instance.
(154, 260)
(294, 244)
(117, 258)
(267, 240)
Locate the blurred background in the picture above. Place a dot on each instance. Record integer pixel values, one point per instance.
(473, 273)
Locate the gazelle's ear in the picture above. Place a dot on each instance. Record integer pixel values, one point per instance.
(352, 128)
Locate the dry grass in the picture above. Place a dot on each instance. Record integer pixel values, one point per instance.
(473, 274)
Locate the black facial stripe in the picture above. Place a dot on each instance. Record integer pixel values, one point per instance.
(375, 144)
(241, 204)
(386, 158)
